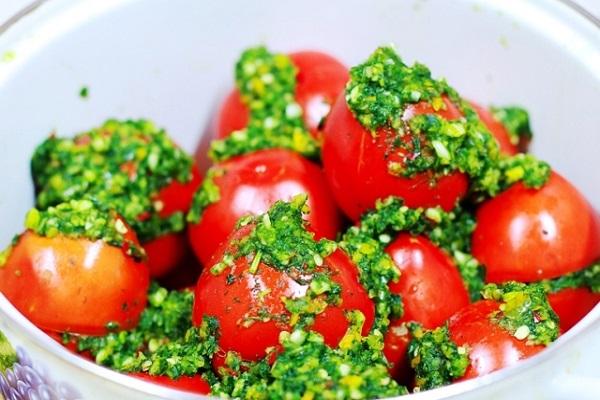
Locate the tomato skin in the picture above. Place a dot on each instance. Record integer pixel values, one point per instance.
(528, 235)
(165, 253)
(251, 184)
(192, 384)
(490, 346)
(234, 303)
(177, 196)
(572, 304)
(320, 79)
(74, 285)
(497, 129)
(356, 166)
(432, 291)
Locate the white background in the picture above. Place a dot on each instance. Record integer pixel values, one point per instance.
(9, 7)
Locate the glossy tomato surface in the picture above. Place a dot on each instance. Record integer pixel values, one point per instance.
(431, 289)
(497, 129)
(319, 81)
(356, 165)
(250, 184)
(192, 384)
(572, 304)
(528, 235)
(250, 309)
(74, 285)
(490, 346)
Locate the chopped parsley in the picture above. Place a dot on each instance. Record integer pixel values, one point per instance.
(163, 343)
(435, 358)
(122, 165)
(83, 219)
(516, 121)
(267, 84)
(84, 92)
(8, 355)
(524, 311)
(378, 94)
(588, 277)
(307, 369)
(207, 194)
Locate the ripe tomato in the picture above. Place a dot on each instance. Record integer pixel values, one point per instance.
(571, 305)
(250, 309)
(251, 184)
(490, 346)
(395, 348)
(497, 129)
(432, 291)
(356, 165)
(192, 384)
(528, 235)
(167, 251)
(320, 79)
(74, 285)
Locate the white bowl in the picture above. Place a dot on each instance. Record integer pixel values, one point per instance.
(172, 61)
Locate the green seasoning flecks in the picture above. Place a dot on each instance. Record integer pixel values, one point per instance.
(378, 94)
(8, 355)
(516, 121)
(83, 219)
(524, 311)
(122, 165)
(436, 359)
(84, 92)
(267, 84)
(280, 240)
(163, 343)
(588, 278)
(308, 369)
(207, 194)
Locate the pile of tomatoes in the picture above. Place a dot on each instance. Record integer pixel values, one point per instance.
(90, 287)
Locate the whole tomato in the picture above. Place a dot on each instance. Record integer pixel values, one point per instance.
(356, 165)
(250, 184)
(320, 79)
(529, 234)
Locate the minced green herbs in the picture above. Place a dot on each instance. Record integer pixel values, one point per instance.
(515, 120)
(280, 240)
(524, 311)
(207, 194)
(8, 355)
(378, 94)
(122, 165)
(163, 343)
(308, 369)
(435, 358)
(267, 84)
(83, 219)
(588, 277)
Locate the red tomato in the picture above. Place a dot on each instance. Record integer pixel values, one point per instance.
(74, 285)
(571, 305)
(395, 349)
(490, 346)
(528, 235)
(432, 291)
(167, 251)
(497, 129)
(192, 384)
(356, 165)
(320, 79)
(239, 300)
(251, 184)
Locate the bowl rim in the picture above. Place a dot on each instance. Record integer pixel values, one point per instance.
(32, 333)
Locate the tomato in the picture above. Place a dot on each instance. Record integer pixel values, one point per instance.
(74, 285)
(572, 304)
(395, 348)
(250, 310)
(320, 79)
(432, 291)
(356, 165)
(167, 251)
(251, 184)
(528, 235)
(497, 129)
(192, 384)
(490, 346)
